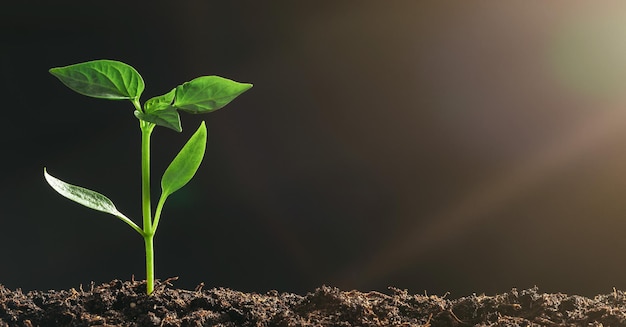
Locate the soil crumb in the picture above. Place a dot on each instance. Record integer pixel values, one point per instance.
(121, 303)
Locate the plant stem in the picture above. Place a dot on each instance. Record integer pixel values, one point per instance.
(148, 240)
(148, 232)
(157, 213)
(146, 131)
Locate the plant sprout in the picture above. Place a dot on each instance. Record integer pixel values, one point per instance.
(114, 80)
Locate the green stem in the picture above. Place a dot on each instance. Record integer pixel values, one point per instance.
(157, 213)
(148, 240)
(130, 223)
(146, 131)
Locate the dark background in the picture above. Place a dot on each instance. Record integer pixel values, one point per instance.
(432, 146)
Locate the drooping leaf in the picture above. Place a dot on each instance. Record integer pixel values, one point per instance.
(106, 79)
(88, 198)
(167, 118)
(186, 163)
(207, 93)
(159, 110)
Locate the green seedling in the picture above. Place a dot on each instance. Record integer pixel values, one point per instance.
(114, 80)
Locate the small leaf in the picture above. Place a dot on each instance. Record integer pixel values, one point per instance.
(207, 93)
(186, 163)
(159, 110)
(107, 79)
(88, 198)
(160, 102)
(167, 118)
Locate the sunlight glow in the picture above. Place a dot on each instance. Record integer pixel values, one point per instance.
(588, 57)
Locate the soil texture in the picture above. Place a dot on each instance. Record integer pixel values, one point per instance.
(125, 304)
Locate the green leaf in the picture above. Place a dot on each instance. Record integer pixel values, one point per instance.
(159, 110)
(207, 93)
(160, 102)
(186, 163)
(106, 79)
(88, 198)
(167, 118)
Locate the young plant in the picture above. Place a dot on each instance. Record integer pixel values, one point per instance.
(114, 80)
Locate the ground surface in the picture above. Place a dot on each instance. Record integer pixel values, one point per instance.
(125, 304)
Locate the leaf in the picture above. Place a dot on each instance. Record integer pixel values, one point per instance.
(159, 110)
(167, 118)
(186, 163)
(88, 198)
(160, 102)
(207, 93)
(106, 79)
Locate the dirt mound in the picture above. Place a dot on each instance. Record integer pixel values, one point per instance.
(125, 304)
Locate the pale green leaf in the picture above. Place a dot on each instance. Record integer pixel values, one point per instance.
(88, 198)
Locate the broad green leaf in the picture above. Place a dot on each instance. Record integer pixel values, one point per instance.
(88, 198)
(186, 163)
(107, 79)
(159, 110)
(207, 93)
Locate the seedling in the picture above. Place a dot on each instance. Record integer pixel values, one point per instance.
(114, 80)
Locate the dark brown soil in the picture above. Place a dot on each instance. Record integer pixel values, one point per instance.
(125, 304)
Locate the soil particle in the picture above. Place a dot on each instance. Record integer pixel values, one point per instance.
(125, 304)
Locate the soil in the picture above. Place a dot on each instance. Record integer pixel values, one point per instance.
(125, 304)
